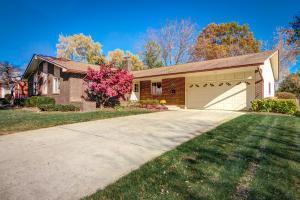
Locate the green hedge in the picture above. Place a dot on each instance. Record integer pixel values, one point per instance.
(4, 101)
(285, 106)
(36, 101)
(58, 107)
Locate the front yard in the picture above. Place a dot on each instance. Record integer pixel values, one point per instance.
(15, 120)
(251, 157)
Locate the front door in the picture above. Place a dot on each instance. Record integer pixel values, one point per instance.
(135, 94)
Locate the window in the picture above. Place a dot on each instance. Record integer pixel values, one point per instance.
(56, 85)
(136, 87)
(35, 84)
(173, 86)
(269, 88)
(44, 79)
(156, 88)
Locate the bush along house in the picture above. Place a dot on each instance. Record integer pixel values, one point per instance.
(223, 84)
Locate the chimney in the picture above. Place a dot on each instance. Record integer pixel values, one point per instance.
(127, 63)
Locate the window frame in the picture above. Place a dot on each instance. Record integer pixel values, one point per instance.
(157, 91)
(136, 87)
(56, 85)
(35, 84)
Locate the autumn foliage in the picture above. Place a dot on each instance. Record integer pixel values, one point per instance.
(108, 83)
(224, 40)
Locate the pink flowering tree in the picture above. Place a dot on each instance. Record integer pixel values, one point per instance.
(108, 83)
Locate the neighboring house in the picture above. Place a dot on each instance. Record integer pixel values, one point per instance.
(226, 84)
(59, 78)
(19, 91)
(4, 90)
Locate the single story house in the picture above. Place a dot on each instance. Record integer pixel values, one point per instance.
(223, 84)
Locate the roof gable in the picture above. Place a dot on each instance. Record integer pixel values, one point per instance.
(69, 65)
(66, 64)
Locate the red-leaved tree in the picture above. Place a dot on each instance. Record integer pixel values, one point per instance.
(108, 83)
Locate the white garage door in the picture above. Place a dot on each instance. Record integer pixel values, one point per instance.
(226, 95)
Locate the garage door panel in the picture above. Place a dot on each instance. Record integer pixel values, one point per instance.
(220, 96)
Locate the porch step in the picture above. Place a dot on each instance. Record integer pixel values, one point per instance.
(173, 107)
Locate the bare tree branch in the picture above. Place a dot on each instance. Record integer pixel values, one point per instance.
(175, 39)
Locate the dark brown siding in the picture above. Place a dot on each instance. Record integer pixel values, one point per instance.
(145, 90)
(30, 85)
(173, 91)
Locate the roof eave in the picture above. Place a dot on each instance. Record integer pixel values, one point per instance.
(193, 71)
(75, 71)
(27, 67)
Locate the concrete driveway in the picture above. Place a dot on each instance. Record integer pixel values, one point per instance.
(72, 161)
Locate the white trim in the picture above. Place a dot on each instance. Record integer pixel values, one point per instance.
(157, 94)
(56, 85)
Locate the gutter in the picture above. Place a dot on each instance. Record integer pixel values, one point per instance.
(193, 71)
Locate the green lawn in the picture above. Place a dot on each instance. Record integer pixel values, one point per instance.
(20, 120)
(250, 157)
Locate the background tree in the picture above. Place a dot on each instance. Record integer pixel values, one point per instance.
(287, 51)
(79, 47)
(117, 58)
(152, 55)
(287, 42)
(295, 32)
(175, 39)
(291, 83)
(224, 40)
(107, 84)
(9, 76)
(136, 62)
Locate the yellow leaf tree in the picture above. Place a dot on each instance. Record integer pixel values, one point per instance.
(117, 57)
(79, 47)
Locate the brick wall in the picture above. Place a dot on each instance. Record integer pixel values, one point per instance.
(64, 96)
(259, 85)
(77, 87)
(173, 91)
(145, 90)
(71, 88)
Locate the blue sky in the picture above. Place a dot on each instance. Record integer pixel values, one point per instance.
(29, 27)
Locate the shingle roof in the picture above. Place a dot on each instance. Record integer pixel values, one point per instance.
(209, 65)
(69, 65)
